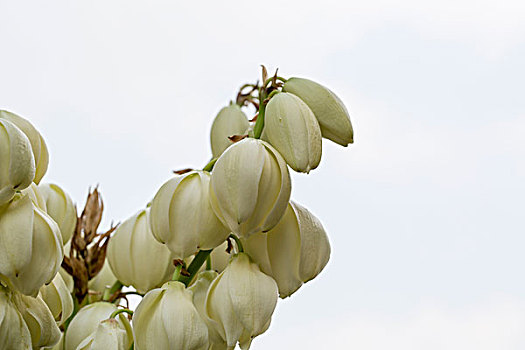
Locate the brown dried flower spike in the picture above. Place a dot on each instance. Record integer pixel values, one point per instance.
(88, 248)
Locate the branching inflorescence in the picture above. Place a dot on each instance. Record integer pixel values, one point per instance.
(209, 255)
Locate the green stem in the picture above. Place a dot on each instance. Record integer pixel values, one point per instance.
(195, 266)
(272, 94)
(176, 274)
(119, 311)
(109, 292)
(259, 124)
(270, 79)
(238, 242)
(208, 262)
(209, 166)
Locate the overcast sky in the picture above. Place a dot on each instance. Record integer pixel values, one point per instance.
(424, 212)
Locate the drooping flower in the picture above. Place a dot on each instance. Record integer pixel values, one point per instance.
(291, 127)
(17, 169)
(230, 121)
(167, 319)
(240, 302)
(182, 217)
(87, 320)
(135, 256)
(31, 250)
(58, 298)
(329, 110)
(293, 252)
(61, 208)
(250, 187)
(38, 145)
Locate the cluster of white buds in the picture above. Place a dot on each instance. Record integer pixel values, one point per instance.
(209, 256)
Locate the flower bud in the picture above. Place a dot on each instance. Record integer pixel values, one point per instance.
(14, 333)
(87, 320)
(109, 335)
(130, 253)
(18, 163)
(58, 298)
(61, 208)
(241, 301)
(31, 248)
(230, 121)
(182, 217)
(167, 319)
(104, 279)
(39, 320)
(329, 110)
(250, 187)
(293, 252)
(38, 145)
(200, 289)
(291, 127)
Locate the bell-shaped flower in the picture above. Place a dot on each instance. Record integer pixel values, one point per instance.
(200, 289)
(250, 187)
(61, 208)
(14, 333)
(39, 320)
(167, 319)
(291, 127)
(241, 301)
(58, 298)
(18, 163)
(230, 121)
(38, 145)
(182, 217)
(135, 256)
(109, 335)
(104, 279)
(87, 320)
(31, 250)
(329, 110)
(293, 252)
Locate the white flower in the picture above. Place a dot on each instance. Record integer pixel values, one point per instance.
(38, 145)
(14, 334)
(86, 322)
(241, 301)
(291, 127)
(61, 208)
(136, 258)
(182, 217)
(17, 160)
(167, 319)
(200, 289)
(330, 112)
(250, 187)
(31, 250)
(293, 252)
(230, 121)
(58, 298)
(39, 320)
(109, 335)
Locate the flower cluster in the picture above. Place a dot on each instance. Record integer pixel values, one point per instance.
(209, 256)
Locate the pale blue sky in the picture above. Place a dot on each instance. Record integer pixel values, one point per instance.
(424, 212)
